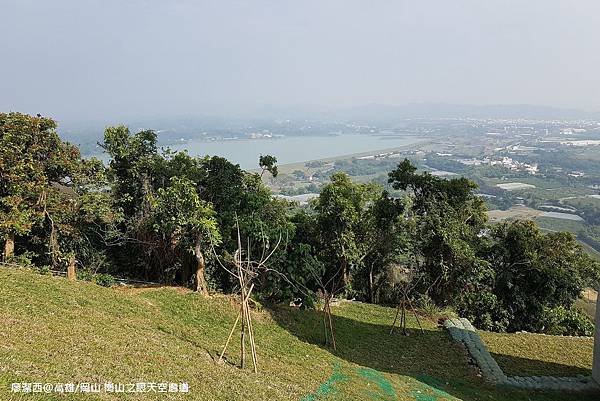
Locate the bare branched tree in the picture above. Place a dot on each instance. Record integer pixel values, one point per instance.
(246, 270)
(406, 281)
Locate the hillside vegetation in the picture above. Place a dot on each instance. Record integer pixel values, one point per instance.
(54, 330)
(154, 214)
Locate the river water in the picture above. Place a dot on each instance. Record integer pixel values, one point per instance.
(293, 149)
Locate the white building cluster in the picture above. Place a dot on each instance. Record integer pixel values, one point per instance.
(507, 162)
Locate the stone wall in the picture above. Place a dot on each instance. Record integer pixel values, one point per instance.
(462, 331)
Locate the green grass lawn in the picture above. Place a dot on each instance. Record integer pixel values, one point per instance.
(527, 354)
(53, 330)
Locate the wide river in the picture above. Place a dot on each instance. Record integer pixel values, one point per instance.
(292, 149)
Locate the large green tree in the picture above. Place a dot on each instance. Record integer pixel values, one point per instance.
(46, 189)
(134, 167)
(183, 223)
(165, 221)
(449, 219)
(342, 209)
(385, 234)
(172, 202)
(535, 273)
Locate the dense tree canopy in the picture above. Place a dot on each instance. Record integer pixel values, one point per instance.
(341, 213)
(158, 215)
(48, 193)
(449, 219)
(535, 273)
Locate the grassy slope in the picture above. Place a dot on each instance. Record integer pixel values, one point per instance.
(52, 330)
(526, 354)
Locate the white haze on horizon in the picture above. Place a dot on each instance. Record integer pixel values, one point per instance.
(85, 59)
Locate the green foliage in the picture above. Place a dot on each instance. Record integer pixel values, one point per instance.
(456, 192)
(176, 208)
(161, 215)
(342, 209)
(44, 270)
(385, 234)
(536, 279)
(484, 310)
(44, 189)
(448, 219)
(535, 272)
(24, 259)
(506, 277)
(105, 280)
(178, 214)
(268, 163)
(85, 275)
(132, 166)
(102, 279)
(165, 222)
(566, 321)
(299, 275)
(33, 156)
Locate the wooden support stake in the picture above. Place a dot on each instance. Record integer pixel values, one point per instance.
(251, 338)
(416, 316)
(395, 319)
(331, 325)
(229, 338)
(71, 275)
(325, 326)
(403, 324)
(234, 326)
(9, 247)
(243, 337)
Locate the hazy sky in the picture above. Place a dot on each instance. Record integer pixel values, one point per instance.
(86, 59)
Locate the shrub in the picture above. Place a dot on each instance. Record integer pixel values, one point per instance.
(105, 280)
(563, 321)
(537, 277)
(44, 270)
(84, 275)
(428, 306)
(484, 311)
(24, 259)
(96, 261)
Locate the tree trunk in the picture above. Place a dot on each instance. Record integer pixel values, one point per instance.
(9, 246)
(345, 278)
(201, 285)
(71, 269)
(371, 290)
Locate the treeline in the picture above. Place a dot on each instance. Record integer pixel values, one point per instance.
(166, 216)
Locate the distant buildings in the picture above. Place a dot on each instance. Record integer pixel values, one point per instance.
(505, 161)
(387, 155)
(583, 142)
